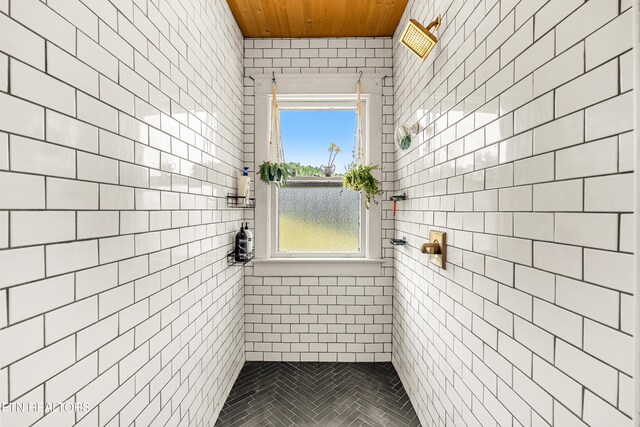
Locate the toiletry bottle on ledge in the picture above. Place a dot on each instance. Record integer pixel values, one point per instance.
(249, 238)
(241, 245)
(244, 186)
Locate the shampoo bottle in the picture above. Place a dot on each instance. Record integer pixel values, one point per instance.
(249, 238)
(244, 185)
(241, 245)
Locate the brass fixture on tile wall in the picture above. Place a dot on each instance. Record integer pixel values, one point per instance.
(419, 39)
(436, 247)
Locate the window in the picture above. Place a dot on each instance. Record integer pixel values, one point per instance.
(312, 227)
(315, 216)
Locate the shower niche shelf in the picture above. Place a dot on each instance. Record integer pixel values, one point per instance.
(231, 258)
(235, 201)
(399, 242)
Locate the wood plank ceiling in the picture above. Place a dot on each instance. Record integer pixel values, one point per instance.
(317, 18)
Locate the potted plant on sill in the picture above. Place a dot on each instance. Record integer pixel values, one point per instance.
(330, 169)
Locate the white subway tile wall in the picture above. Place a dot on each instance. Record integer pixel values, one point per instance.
(122, 132)
(345, 319)
(529, 324)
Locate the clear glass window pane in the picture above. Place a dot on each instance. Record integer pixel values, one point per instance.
(318, 219)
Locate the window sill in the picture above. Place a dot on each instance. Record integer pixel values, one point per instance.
(317, 267)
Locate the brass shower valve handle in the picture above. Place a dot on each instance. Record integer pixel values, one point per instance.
(436, 248)
(430, 247)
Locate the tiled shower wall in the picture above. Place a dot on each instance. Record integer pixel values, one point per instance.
(322, 318)
(525, 160)
(120, 134)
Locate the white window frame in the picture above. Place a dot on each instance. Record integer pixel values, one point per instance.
(298, 91)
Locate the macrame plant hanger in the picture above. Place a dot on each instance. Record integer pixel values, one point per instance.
(358, 144)
(277, 155)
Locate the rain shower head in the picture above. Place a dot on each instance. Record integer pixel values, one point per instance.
(419, 39)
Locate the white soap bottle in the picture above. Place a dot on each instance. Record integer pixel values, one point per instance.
(244, 186)
(249, 238)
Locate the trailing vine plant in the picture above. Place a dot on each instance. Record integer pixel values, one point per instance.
(359, 177)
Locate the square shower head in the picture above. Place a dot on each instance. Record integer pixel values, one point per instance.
(419, 39)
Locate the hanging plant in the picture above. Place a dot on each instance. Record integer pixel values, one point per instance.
(275, 169)
(359, 177)
(278, 173)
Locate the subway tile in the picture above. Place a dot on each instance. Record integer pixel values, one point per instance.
(78, 14)
(69, 194)
(559, 70)
(535, 225)
(39, 297)
(29, 155)
(534, 395)
(4, 151)
(21, 265)
(40, 366)
(612, 193)
(19, 42)
(536, 55)
(97, 168)
(96, 112)
(609, 41)
(610, 345)
(68, 257)
(534, 169)
(38, 227)
(588, 89)
(590, 230)
(97, 335)
(20, 191)
(585, 20)
(97, 224)
(517, 147)
(25, 338)
(609, 117)
(70, 319)
(587, 300)
(535, 113)
(95, 280)
(116, 197)
(516, 198)
(599, 413)
(37, 87)
(560, 322)
(591, 372)
(594, 158)
(560, 386)
(69, 381)
(558, 196)
(560, 133)
(611, 269)
(64, 130)
(21, 117)
(97, 57)
(561, 259)
(4, 232)
(36, 15)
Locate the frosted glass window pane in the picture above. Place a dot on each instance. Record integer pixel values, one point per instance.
(318, 219)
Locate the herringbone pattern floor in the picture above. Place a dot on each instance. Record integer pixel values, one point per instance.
(317, 394)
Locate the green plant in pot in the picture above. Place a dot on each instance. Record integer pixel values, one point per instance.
(360, 178)
(278, 173)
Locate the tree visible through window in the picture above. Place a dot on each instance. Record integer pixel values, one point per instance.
(315, 215)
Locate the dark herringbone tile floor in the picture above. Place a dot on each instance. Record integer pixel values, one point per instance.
(317, 394)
